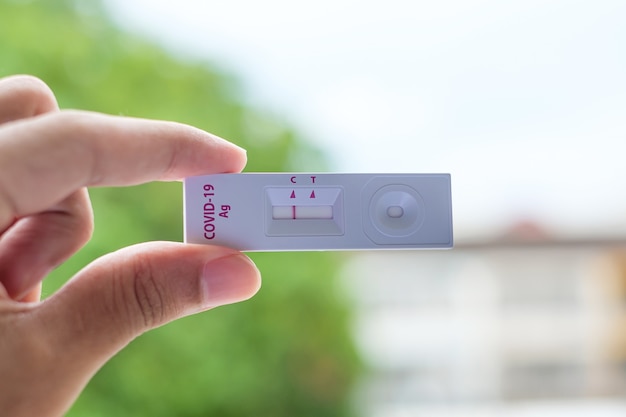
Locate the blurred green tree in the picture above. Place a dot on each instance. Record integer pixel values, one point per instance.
(288, 351)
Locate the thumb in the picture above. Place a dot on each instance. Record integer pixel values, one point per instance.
(58, 345)
(123, 294)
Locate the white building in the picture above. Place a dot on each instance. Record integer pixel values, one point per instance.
(520, 326)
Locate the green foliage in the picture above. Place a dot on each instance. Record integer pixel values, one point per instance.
(287, 352)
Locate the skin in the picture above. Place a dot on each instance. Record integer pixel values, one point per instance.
(50, 349)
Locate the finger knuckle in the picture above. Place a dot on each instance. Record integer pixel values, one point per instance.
(28, 82)
(148, 295)
(82, 214)
(33, 93)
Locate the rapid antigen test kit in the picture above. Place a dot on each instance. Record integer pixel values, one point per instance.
(308, 211)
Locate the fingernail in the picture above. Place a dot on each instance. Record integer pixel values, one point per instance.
(229, 280)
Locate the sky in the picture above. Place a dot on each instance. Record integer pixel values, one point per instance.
(523, 102)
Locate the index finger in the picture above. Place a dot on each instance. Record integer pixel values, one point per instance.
(45, 159)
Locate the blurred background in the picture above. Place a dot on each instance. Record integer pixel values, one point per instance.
(523, 102)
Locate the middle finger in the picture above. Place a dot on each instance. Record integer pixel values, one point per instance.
(23, 96)
(36, 244)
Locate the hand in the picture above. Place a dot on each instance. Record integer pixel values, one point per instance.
(50, 349)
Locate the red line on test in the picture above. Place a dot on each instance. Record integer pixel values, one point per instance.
(293, 212)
